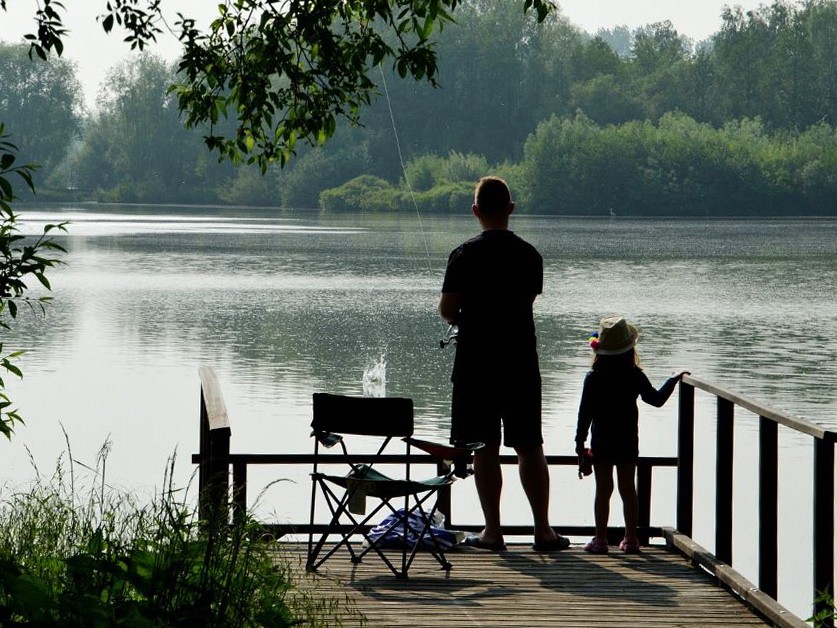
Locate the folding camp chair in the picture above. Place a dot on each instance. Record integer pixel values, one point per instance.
(374, 422)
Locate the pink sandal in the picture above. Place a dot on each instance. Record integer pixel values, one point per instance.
(629, 547)
(596, 546)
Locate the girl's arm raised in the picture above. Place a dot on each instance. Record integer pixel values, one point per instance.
(655, 397)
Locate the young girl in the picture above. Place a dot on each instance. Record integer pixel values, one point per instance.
(608, 402)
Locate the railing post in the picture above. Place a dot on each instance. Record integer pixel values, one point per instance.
(723, 481)
(203, 465)
(644, 499)
(214, 470)
(823, 518)
(218, 485)
(239, 498)
(768, 505)
(443, 496)
(685, 458)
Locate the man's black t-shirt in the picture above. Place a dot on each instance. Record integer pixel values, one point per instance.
(498, 275)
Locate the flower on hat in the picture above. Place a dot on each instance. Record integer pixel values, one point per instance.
(594, 340)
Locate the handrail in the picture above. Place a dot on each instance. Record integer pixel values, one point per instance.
(777, 416)
(213, 400)
(214, 462)
(768, 513)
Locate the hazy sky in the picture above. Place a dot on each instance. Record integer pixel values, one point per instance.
(95, 53)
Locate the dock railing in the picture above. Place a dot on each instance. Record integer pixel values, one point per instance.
(768, 481)
(217, 495)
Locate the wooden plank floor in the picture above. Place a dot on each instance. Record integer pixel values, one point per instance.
(520, 587)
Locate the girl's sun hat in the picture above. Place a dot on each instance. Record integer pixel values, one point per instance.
(615, 336)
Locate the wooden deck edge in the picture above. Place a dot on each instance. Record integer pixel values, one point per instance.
(750, 594)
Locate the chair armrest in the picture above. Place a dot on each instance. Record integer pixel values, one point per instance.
(444, 451)
(327, 439)
(459, 455)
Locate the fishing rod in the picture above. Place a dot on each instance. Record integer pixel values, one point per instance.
(451, 336)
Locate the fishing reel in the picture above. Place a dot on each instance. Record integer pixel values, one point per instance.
(450, 337)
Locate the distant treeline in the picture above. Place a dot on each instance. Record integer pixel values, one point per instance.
(634, 122)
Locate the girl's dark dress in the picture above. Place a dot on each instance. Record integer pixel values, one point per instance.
(608, 402)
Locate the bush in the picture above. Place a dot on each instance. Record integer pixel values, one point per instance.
(827, 614)
(363, 193)
(22, 259)
(429, 171)
(251, 187)
(446, 198)
(423, 172)
(98, 558)
(319, 169)
(467, 168)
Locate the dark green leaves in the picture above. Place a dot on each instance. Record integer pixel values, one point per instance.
(141, 24)
(21, 259)
(283, 71)
(286, 76)
(50, 30)
(542, 7)
(69, 558)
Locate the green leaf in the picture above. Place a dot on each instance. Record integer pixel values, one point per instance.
(44, 281)
(427, 28)
(13, 369)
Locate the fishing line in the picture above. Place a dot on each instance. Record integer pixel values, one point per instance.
(404, 168)
(452, 331)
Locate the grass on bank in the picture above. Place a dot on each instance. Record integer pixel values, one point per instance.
(95, 556)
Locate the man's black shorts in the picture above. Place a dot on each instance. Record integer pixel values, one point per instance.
(479, 409)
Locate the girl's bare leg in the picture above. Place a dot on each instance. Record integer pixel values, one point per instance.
(625, 474)
(604, 489)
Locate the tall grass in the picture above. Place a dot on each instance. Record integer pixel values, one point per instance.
(824, 618)
(73, 555)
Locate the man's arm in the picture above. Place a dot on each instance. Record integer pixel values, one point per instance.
(449, 304)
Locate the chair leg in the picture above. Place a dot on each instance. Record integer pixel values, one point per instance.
(433, 547)
(338, 507)
(424, 537)
(374, 544)
(308, 560)
(409, 550)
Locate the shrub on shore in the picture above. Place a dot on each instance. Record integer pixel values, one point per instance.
(98, 557)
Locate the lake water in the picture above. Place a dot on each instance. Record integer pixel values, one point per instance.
(283, 305)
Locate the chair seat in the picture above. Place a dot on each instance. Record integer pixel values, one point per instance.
(373, 483)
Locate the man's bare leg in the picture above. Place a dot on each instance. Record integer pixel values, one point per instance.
(488, 478)
(534, 476)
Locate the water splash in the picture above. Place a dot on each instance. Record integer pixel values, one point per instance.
(375, 379)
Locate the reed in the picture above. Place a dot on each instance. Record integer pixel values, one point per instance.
(77, 552)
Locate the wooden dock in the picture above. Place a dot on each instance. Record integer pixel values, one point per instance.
(678, 583)
(519, 587)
